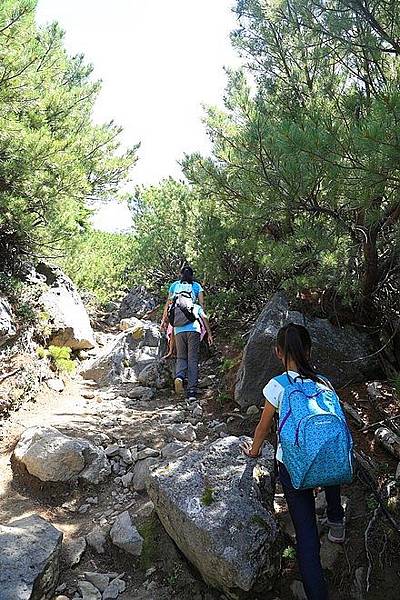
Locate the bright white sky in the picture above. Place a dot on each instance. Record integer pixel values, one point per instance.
(159, 60)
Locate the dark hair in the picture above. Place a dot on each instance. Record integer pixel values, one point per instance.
(295, 343)
(187, 275)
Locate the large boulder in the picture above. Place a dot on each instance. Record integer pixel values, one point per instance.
(133, 352)
(137, 303)
(51, 456)
(30, 551)
(216, 504)
(68, 317)
(344, 354)
(7, 324)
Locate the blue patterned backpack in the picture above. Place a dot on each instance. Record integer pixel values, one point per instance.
(315, 438)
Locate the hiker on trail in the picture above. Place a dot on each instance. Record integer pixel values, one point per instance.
(184, 311)
(186, 283)
(314, 449)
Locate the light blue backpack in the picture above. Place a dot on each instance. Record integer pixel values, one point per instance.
(315, 439)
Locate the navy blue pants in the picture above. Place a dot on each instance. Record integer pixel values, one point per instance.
(301, 506)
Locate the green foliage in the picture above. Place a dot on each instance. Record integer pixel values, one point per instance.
(207, 497)
(289, 553)
(148, 531)
(302, 188)
(53, 157)
(229, 363)
(396, 384)
(165, 223)
(102, 263)
(372, 502)
(259, 521)
(61, 359)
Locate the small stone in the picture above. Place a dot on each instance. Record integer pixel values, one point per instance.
(124, 535)
(329, 553)
(61, 598)
(147, 453)
(145, 511)
(141, 473)
(116, 587)
(184, 432)
(73, 551)
(55, 384)
(116, 468)
(83, 509)
(219, 427)
(398, 471)
(127, 479)
(88, 591)
(97, 540)
(197, 412)
(88, 395)
(112, 450)
(99, 580)
(103, 521)
(252, 410)
(92, 500)
(174, 450)
(126, 455)
(297, 590)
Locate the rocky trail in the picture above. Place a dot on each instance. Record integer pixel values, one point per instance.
(111, 486)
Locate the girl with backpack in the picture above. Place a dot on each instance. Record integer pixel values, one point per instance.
(314, 449)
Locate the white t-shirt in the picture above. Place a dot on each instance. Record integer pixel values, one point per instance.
(273, 392)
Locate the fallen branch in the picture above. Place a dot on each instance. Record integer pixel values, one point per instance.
(383, 422)
(354, 414)
(367, 550)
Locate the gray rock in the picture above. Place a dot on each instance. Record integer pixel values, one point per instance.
(213, 504)
(197, 411)
(252, 410)
(334, 349)
(112, 450)
(297, 590)
(116, 587)
(145, 510)
(127, 479)
(137, 303)
(73, 551)
(174, 450)
(131, 323)
(88, 591)
(7, 324)
(141, 473)
(30, 551)
(88, 395)
(147, 453)
(55, 384)
(124, 535)
(397, 476)
(50, 455)
(99, 580)
(96, 539)
(69, 320)
(141, 393)
(173, 416)
(125, 360)
(329, 553)
(126, 455)
(184, 432)
(97, 466)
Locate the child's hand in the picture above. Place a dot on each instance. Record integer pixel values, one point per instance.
(247, 449)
